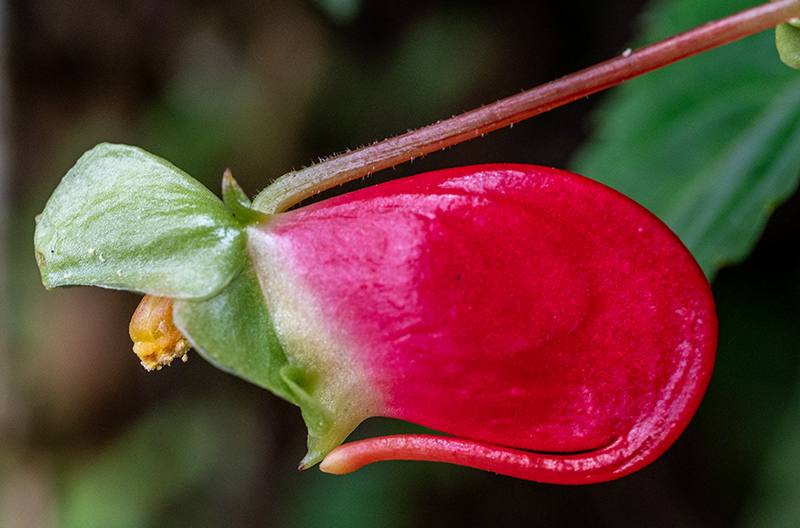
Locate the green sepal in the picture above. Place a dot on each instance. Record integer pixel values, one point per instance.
(787, 39)
(300, 384)
(233, 330)
(327, 426)
(238, 203)
(324, 433)
(125, 219)
(325, 430)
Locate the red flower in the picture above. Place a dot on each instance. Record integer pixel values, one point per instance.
(557, 329)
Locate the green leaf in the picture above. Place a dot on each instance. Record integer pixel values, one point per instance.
(122, 218)
(787, 38)
(710, 145)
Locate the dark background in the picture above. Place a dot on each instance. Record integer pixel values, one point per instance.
(87, 438)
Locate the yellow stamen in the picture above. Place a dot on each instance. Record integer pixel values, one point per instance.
(156, 340)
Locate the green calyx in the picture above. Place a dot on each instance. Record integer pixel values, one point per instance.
(123, 218)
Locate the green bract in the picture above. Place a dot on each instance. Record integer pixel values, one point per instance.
(122, 218)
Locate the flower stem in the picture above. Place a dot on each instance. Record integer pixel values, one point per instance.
(296, 186)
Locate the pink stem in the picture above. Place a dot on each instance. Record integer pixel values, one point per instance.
(607, 463)
(294, 187)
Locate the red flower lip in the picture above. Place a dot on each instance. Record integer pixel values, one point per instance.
(558, 330)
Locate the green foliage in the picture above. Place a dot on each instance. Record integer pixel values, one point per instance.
(125, 219)
(341, 11)
(710, 144)
(777, 504)
(160, 471)
(437, 61)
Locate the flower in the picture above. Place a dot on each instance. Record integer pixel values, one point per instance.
(556, 330)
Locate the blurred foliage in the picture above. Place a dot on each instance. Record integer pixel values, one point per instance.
(739, 110)
(87, 438)
(341, 10)
(776, 501)
(195, 449)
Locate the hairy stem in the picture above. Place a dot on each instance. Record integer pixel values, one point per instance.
(296, 186)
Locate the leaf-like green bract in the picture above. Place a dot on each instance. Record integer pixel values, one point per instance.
(122, 218)
(710, 145)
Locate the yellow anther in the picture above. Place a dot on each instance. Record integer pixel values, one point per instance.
(156, 340)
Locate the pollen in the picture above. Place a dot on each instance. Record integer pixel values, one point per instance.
(156, 339)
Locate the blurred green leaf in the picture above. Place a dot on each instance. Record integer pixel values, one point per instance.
(159, 469)
(710, 144)
(122, 218)
(341, 11)
(439, 59)
(776, 503)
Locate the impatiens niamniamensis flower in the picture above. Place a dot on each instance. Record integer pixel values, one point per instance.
(552, 328)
